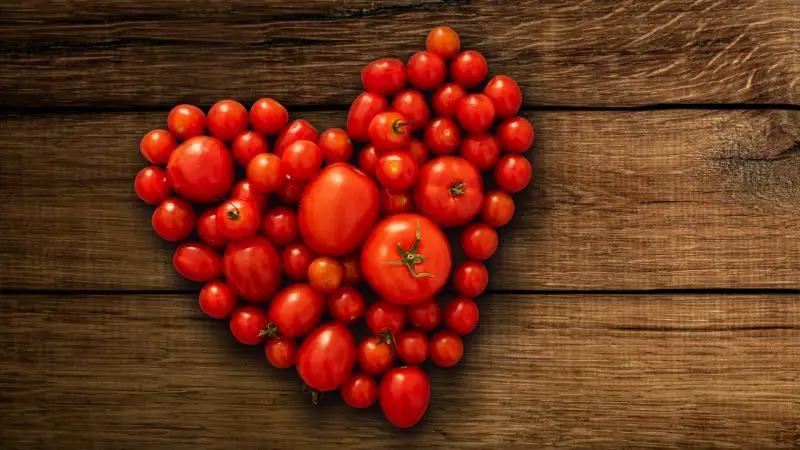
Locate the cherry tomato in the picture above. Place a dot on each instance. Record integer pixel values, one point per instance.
(268, 116)
(515, 134)
(351, 269)
(298, 130)
(326, 357)
(389, 131)
(446, 99)
(397, 171)
(442, 136)
(253, 268)
(197, 262)
(481, 150)
(227, 119)
(412, 346)
(406, 259)
(364, 108)
(291, 190)
(301, 160)
(296, 260)
(461, 315)
(244, 190)
(335, 145)
(346, 305)
(426, 71)
(338, 209)
(476, 113)
(201, 170)
(445, 348)
(247, 145)
(512, 173)
(207, 229)
(497, 209)
(505, 95)
(404, 395)
(468, 69)
(325, 274)
(449, 191)
(151, 185)
(265, 174)
(281, 352)
(295, 311)
(173, 220)
(470, 278)
(479, 241)
(217, 299)
(374, 355)
(247, 323)
(279, 225)
(238, 219)
(186, 121)
(412, 105)
(382, 316)
(425, 315)
(360, 391)
(368, 160)
(157, 145)
(418, 152)
(395, 202)
(444, 42)
(385, 76)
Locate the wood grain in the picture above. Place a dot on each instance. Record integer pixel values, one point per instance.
(603, 53)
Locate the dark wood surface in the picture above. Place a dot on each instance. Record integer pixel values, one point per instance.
(646, 294)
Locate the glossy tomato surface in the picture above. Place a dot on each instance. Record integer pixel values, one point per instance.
(360, 391)
(201, 170)
(197, 262)
(151, 185)
(326, 357)
(404, 395)
(252, 268)
(295, 310)
(449, 191)
(385, 76)
(364, 108)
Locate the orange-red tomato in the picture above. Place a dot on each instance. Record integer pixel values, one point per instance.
(268, 117)
(197, 262)
(443, 41)
(157, 145)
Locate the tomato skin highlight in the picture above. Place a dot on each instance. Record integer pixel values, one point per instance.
(397, 171)
(470, 278)
(476, 113)
(444, 42)
(482, 151)
(382, 316)
(279, 225)
(326, 357)
(404, 395)
(360, 391)
(479, 241)
(186, 121)
(247, 145)
(246, 324)
(412, 105)
(298, 130)
(201, 170)
(268, 117)
(385, 76)
(412, 347)
(151, 185)
(252, 267)
(445, 348)
(281, 352)
(217, 299)
(505, 95)
(227, 119)
(265, 173)
(207, 229)
(173, 219)
(512, 173)
(442, 136)
(461, 315)
(296, 310)
(446, 99)
(197, 262)
(449, 191)
(497, 208)
(425, 315)
(515, 134)
(374, 356)
(346, 305)
(363, 109)
(426, 70)
(296, 259)
(468, 69)
(157, 145)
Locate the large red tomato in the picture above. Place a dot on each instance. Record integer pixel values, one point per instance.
(252, 268)
(449, 191)
(295, 310)
(404, 395)
(406, 259)
(201, 170)
(326, 357)
(337, 210)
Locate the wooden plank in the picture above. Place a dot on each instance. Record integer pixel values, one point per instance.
(599, 371)
(624, 54)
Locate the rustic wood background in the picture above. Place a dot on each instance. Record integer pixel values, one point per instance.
(645, 295)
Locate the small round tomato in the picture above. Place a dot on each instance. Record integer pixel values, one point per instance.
(375, 355)
(157, 145)
(418, 152)
(298, 130)
(449, 191)
(279, 225)
(247, 145)
(505, 95)
(351, 269)
(515, 134)
(364, 108)
(445, 348)
(412, 347)
(253, 268)
(397, 171)
(238, 219)
(470, 278)
(497, 209)
(404, 395)
(443, 41)
(412, 105)
(468, 69)
(197, 262)
(368, 160)
(186, 121)
(426, 70)
(335, 145)
(217, 299)
(326, 357)
(244, 190)
(291, 190)
(208, 231)
(227, 119)
(476, 113)
(395, 202)
(325, 274)
(482, 151)
(425, 315)
(265, 174)
(512, 173)
(461, 315)
(173, 220)
(301, 160)
(479, 241)
(346, 305)
(382, 316)
(446, 99)
(247, 323)
(151, 185)
(294, 311)
(268, 116)
(360, 391)
(389, 131)
(385, 76)
(201, 170)
(442, 136)
(296, 258)
(281, 352)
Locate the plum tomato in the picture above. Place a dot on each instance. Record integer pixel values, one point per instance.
(351, 269)
(479, 241)
(346, 305)
(197, 262)
(449, 191)
(368, 160)
(446, 99)
(217, 299)
(246, 324)
(406, 259)
(238, 219)
(201, 170)
(505, 95)
(395, 202)
(301, 160)
(418, 151)
(397, 171)
(173, 219)
(268, 117)
(425, 315)
(461, 315)
(426, 71)
(443, 41)
(265, 174)
(186, 121)
(227, 119)
(482, 150)
(335, 145)
(325, 274)
(497, 208)
(253, 268)
(412, 105)
(476, 113)
(326, 357)
(360, 391)
(279, 225)
(468, 69)
(445, 348)
(151, 185)
(512, 173)
(515, 134)
(470, 278)
(281, 352)
(385, 76)
(382, 316)
(363, 109)
(244, 190)
(291, 190)
(247, 145)
(298, 130)
(375, 355)
(294, 311)
(389, 131)
(207, 229)
(411, 346)
(157, 145)
(404, 394)
(296, 259)
(442, 136)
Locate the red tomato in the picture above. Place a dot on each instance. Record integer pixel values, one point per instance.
(476, 113)
(265, 174)
(281, 352)
(395, 202)
(479, 241)
(444, 42)
(385, 76)
(412, 347)
(253, 268)
(470, 278)
(197, 262)
(279, 225)
(338, 209)
(515, 134)
(247, 145)
(512, 173)
(368, 160)
(404, 395)
(326, 357)
(446, 99)
(360, 391)
(364, 108)
(335, 145)
(412, 105)
(217, 299)
(201, 170)
(375, 356)
(449, 191)
(227, 119)
(397, 171)
(157, 145)
(461, 315)
(301, 160)
(346, 305)
(418, 151)
(173, 220)
(445, 348)
(425, 315)
(325, 274)
(351, 269)
(406, 259)
(382, 316)
(247, 322)
(497, 209)
(291, 190)
(186, 121)
(426, 71)
(442, 136)
(482, 151)
(238, 219)
(505, 95)
(244, 190)
(294, 311)
(268, 116)
(207, 229)
(151, 185)
(298, 130)
(296, 260)
(468, 69)
(389, 131)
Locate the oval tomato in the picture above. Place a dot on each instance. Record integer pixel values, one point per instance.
(197, 262)
(326, 357)
(368, 160)
(294, 311)
(364, 108)
(404, 395)
(201, 170)
(385, 76)
(246, 324)
(252, 268)
(449, 191)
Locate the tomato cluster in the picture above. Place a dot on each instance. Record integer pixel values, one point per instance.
(293, 251)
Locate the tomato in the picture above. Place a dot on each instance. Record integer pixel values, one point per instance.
(481, 150)
(337, 210)
(426, 71)
(247, 145)
(291, 190)
(301, 160)
(298, 130)
(157, 145)
(217, 299)
(351, 269)
(294, 311)
(442, 136)
(444, 42)
(382, 316)
(265, 174)
(446, 99)
(227, 119)
(360, 391)
(173, 220)
(197, 262)
(201, 170)
(281, 352)
(515, 134)
(412, 105)
(186, 121)
(335, 145)
(151, 185)
(268, 116)
(279, 225)
(425, 315)
(375, 356)
(404, 395)
(479, 241)
(395, 202)
(247, 323)
(406, 259)
(368, 160)
(412, 346)
(505, 95)
(326, 357)
(512, 173)
(238, 219)
(445, 348)
(389, 131)
(470, 278)
(253, 268)
(497, 209)
(346, 305)
(364, 108)
(296, 259)
(207, 229)
(397, 171)
(476, 113)
(468, 69)
(385, 76)
(244, 190)
(418, 152)
(461, 315)
(449, 191)
(325, 274)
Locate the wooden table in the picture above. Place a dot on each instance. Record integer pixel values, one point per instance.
(646, 293)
